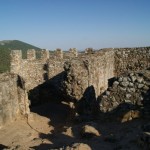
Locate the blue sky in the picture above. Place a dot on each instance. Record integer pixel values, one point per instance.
(63, 24)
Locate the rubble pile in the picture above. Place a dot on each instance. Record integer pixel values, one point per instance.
(132, 89)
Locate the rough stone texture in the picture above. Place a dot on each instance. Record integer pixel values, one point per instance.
(96, 68)
(75, 73)
(90, 70)
(131, 59)
(128, 94)
(30, 69)
(13, 98)
(37, 71)
(73, 52)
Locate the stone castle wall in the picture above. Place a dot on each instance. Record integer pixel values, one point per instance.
(88, 68)
(37, 71)
(96, 68)
(80, 71)
(13, 98)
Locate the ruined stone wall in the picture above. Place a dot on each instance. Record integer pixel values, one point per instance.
(30, 69)
(92, 68)
(132, 88)
(36, 71)
(13, 98)
(96, 68)
(131, 59)
(89, 70)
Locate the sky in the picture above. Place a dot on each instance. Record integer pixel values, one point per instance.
(80, 24)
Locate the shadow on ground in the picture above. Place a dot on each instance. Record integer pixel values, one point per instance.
(114, 134)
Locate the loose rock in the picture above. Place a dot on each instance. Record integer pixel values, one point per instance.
(89, 131)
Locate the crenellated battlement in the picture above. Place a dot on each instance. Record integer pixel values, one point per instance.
(73, 52)
(31, 55)
(16, 55)
(108, 62)
(44, 54)
(32, 69)
(58, 53)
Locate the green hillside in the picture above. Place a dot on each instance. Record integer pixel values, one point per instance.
(5, 49)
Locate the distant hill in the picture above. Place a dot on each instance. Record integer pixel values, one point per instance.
(5, 48)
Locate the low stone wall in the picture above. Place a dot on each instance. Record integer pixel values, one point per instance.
(13, 98)
(133, 89)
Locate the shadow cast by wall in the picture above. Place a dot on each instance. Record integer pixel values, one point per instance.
(88, 111)
(50, 90)
(87, 107)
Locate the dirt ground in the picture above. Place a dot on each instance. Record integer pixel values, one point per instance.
(46, 128)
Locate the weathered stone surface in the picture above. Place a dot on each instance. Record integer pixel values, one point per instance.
(13, 98)
(94, 69)
(131, 59)
(133, 78)
(135, 93)
(124, 84)
(140, 86)
(36, 71)
(93, 73)
(88, 69)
